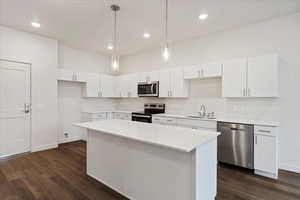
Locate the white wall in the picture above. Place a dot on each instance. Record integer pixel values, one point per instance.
(280, 35)
(70, 101)
(42, 54)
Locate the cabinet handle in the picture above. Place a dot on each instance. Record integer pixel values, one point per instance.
(264, 131)
(171, 94)
(202, 73)
(73, 77)
(244, 92)
(256, 139)
(249, 94)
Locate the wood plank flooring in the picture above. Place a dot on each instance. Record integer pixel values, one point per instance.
(60, 174)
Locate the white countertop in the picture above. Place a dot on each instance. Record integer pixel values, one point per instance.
(177, 138)
(242, 121)
(107, 111)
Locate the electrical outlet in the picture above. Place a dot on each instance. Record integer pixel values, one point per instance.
(66, 135)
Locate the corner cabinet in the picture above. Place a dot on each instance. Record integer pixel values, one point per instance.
(266, 151)
(252, 77)
(172, 84)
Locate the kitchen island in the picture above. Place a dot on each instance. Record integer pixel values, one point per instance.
(152, 162)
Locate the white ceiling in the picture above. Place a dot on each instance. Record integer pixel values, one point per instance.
(87, 24)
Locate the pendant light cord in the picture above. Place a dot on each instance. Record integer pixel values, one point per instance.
(115, 32)
(166, 22)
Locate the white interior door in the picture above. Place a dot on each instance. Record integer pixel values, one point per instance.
(14, 108)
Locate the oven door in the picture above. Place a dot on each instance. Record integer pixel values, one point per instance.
(142, 118)
(148, 89)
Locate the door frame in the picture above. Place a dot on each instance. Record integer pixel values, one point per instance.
(29, 65)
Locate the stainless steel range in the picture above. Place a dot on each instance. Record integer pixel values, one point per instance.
(149, 109)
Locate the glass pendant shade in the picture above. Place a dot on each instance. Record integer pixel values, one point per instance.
(165, 53)
(115, 63)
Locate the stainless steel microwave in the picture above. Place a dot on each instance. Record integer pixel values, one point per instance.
(150, 89)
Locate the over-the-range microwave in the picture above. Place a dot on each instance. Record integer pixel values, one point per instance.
(150, 89)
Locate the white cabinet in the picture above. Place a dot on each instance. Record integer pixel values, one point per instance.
(234, 82)
(91, 88)
(88, 117)
(99, 85)
(263, 76)
(127, 86)
(68, 75)
(252, 77)
(172, 83)
(266, 151)
(210, 125)
(122, 116)
(148, 76)
(209, 70)
(107, 86)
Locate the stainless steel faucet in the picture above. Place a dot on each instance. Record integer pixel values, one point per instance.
(202, 110)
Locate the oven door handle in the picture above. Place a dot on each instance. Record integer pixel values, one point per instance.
(141, 116)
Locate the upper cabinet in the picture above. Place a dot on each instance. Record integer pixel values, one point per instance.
(68, 75)
(127, 86)
(172, 84)
(263, 75)
(99, 85)
(209, 70)
(252, 77)
(234, 82)
(148, 76)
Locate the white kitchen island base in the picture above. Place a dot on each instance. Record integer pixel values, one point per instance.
(143, 171)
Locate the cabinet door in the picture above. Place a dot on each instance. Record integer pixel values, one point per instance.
(234, 81)
(148, 76)
(263, 76)
(65, 75)
(177, 83)
(132, 85)
(80, 76)
(211, 70)
(118, 86)
(92, 85)
(192, 72)
(164, 83)
(107, 85)
(265, 153)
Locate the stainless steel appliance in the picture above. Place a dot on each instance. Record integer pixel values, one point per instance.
(235, 144)
(149, 109)
(150, 89)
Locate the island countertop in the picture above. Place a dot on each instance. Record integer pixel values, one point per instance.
(177, 138)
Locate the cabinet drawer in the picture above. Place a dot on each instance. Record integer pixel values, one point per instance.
(169, 121)
(99, 116)
(123, 116)
(156, 120)
(265, 130)
(197, 124)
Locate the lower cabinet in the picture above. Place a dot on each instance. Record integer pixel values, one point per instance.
(188, 123)
(266, 151)
(122, 116)
(88, 117)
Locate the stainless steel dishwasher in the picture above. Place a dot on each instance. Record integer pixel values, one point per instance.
(235, 144)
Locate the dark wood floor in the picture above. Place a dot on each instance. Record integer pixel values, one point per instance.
(61, 175)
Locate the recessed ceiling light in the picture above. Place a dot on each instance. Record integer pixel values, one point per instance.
(110, 46)
(35, 24)
(203, 16)
(146, 35)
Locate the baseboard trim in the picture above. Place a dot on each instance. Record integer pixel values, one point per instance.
(67, 140)
(44, 147)
(291, 168)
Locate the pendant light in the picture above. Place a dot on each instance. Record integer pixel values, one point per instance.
(165, 49)
(115, 58)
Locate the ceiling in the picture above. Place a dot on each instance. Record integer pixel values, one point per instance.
(88, 24)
